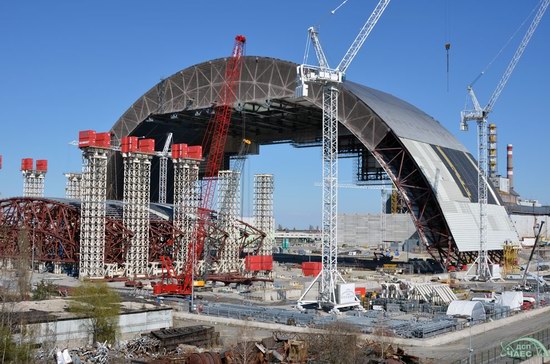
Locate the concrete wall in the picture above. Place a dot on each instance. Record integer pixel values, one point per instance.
(524, 225)
(373, 229)
(76, 332)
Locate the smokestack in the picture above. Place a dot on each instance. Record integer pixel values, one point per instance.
(510, 167)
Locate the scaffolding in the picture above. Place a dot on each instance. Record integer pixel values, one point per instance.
(92, 212)
(229, 200)
(73, 185)
(263, 210)
(33, 183)
(186, 198)
(137, 174)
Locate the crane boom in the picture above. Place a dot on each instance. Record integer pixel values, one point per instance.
(215, 138)
(519, 52)
(362, 36)
(314, 36)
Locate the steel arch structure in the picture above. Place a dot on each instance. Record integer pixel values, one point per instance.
(430, 168)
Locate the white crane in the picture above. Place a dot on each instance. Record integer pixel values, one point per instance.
(480, 115)
(329, 79)
(163, 168)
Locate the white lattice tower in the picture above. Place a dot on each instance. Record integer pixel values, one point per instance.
(263, 210)
(229, 200)
(33, 183)
(137, 176)
(92, 212)
(72, 187)
(163, 172)
(186, 199)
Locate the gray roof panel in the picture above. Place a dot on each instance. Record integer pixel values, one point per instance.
(406, 120)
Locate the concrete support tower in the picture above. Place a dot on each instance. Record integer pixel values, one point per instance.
(263, 210)
(72, 187)
(137, 175)
(229, 201)
(186, 200)
(95, 149)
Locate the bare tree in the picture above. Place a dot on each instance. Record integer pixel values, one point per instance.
(338, 344)
(243, 349)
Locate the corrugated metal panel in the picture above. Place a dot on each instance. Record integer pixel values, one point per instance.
(464, 225)
(406, 120)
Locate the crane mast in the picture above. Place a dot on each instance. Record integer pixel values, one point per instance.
(329, 278)
(215, 138)
(479, 115)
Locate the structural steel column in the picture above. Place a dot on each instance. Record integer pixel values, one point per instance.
(72, 187)
(229, 201)
(92, 212)
(186, 199)
(263, 210)
(137, 175)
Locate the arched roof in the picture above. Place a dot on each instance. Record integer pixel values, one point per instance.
(432, 170)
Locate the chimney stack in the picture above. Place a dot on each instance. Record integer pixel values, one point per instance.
(510, 167)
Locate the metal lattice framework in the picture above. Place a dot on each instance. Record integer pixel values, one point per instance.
(380, 122)
(186, 200)
(229, 201)
(263, 210)
(92, 212)
(72, 187)
(137, 175)
(54, 229)
(33, 183)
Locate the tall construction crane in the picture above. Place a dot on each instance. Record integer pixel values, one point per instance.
(480, 115)
(214, 142)
(163, 169)
(329, 79)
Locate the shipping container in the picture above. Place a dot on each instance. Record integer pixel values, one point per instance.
(311, 268)
(129, 144)
(41, 165)
(179, 151)
(146, 146)
(86, 138)
(195, 152)
(102, 140)
(27, 164)
(253, 263)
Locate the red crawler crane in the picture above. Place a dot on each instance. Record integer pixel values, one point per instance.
(214, 141)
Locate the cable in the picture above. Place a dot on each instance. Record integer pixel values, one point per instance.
(503, 47)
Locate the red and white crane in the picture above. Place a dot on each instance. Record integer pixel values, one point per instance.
(214, 144)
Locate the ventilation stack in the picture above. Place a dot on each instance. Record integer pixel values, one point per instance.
(186, 162)
(72, 187)
(492, 151)
(95, 149)
(510, 166)
(137, 155)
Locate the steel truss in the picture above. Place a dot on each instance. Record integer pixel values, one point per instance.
(72, 187)
(92, 213)
(186, 201)
(137, 175)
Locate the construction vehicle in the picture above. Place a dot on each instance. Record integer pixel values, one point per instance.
(480, 115)
(214, 144)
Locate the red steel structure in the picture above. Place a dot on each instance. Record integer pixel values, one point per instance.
(214, 142)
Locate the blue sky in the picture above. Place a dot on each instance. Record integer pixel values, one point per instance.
(70, 65)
